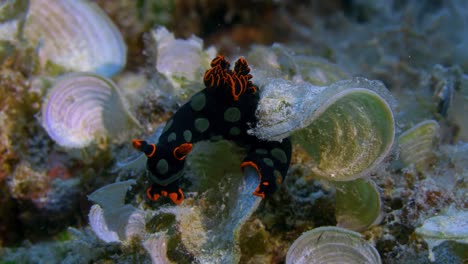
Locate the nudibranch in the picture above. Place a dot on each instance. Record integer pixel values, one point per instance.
(225, 108)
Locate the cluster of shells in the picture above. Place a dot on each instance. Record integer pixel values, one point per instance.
(78, 37)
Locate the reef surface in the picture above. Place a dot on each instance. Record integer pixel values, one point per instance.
(373, 94)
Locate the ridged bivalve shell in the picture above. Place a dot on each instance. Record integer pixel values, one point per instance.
(416, 144)
(328, 245)
(76, 35)
(82, 108)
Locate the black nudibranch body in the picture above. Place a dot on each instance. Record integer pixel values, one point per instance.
(225, 108)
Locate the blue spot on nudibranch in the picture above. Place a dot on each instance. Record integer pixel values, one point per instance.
(279, 155)
(268, 162)
(168, 125)
(198, 102)
(172, 137)
(201, 124)
(162, 166)
(261, 151)
(232, 114)
(235, 131)
(187, 135)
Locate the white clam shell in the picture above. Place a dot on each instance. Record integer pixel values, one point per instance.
(76, 35)
(82, 108)
(330, 245)
(416, 144)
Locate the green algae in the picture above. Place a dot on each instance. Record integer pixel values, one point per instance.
(358, 204)
(161, 222)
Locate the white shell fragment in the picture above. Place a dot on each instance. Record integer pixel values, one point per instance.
(453, 226)
(332, 245)
(156, 247)
(358, 204)
(178, 59)
(347, 127)
(82, 108)
(112, 220)
(119, 224)
(179, 65)
(416, 144)
(99, 226)
(111, 195)
(246, 204)
(76, 35)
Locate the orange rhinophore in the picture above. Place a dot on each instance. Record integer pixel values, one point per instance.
(181, 151)
(177, 198)
(152, 197)
(143, 146)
